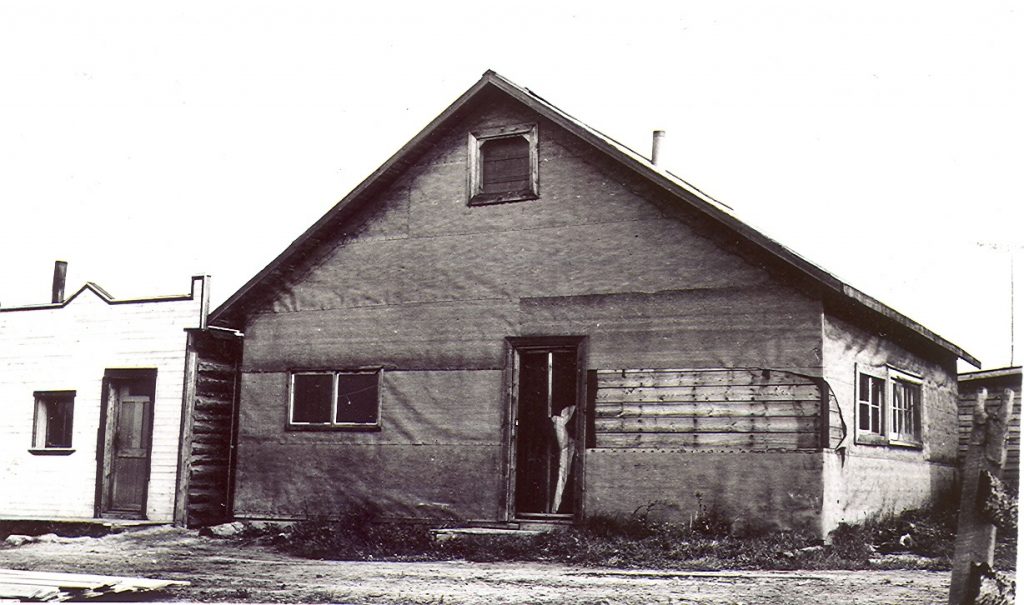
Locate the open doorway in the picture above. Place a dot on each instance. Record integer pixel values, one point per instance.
(547, 427)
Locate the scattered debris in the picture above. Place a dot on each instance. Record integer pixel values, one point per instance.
(224, 530)
(46, 586)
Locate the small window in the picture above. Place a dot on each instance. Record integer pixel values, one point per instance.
(53, 415)
(503, 165)
(889, 408)
(335, 399)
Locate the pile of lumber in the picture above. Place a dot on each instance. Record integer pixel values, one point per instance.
(17, 585)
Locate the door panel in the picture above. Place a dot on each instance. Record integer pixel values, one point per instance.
(130, 471)
(128, 427)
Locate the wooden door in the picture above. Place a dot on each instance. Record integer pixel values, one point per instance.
(545, 436)
(129, 429)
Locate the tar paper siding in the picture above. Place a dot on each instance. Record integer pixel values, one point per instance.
(69, 348)
(862, 480)
(429, 288)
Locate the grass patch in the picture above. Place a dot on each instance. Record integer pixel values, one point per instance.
(918, 539)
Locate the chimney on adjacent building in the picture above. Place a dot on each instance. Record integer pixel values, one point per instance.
(60, 273)
(659, 136)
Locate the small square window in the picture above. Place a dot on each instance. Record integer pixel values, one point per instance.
(335, 399)
(503, 165)
(54, 411)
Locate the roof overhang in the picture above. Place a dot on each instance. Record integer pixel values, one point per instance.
(231, 310)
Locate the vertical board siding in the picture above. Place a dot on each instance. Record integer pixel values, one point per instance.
(702, 410)
(968, 396)
(69, 348)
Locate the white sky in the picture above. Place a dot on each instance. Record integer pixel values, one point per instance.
(145, 142)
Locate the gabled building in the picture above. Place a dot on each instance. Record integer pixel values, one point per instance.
(516, 318)
(99, 414)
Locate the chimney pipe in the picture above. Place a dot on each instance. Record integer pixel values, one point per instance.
(659, 136)
(60, 273)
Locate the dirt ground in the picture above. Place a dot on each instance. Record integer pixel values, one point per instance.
(224, 570)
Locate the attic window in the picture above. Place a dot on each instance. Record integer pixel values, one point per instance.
(503, 165)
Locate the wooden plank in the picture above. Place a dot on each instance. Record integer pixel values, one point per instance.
(709, 441)
(28, 592)
(668, 424)
(677, 378)
(710, 393)
(709, 409)
(185, 444)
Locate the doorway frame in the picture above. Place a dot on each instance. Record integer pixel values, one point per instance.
(106, 436)
(514, 345)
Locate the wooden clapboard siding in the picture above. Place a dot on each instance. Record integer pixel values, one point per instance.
(707, 410)
(68, 347)
(969, 388)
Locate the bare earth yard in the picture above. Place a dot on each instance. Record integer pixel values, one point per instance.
(225, 570)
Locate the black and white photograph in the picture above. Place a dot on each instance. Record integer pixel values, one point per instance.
(496, 303)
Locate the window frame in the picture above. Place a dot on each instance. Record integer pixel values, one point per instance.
(476, 195)
(332, 424)
(867, 436)
(890, 376)
(41, 425)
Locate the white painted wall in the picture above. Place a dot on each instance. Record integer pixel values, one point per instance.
(68, 348)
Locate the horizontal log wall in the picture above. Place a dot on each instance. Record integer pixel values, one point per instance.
(700, 410)
(210, 450)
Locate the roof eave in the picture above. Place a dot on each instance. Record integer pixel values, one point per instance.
(632, 160)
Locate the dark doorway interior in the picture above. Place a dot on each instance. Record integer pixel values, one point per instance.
(546, 431)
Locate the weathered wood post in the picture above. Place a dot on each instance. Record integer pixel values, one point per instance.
(982, 504)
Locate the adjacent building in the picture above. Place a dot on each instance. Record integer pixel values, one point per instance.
(94, 408)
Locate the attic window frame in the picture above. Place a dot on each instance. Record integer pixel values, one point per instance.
(475, 186)
(891, 376)
(333, 424)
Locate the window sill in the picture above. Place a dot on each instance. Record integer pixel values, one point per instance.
(352, 428)
(912, 445)
(486, 199)
(880, 441)
(52, 451)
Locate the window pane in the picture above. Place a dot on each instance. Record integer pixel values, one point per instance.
(505, 165)
(58, 422)
(357, 398)
(311, 398)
